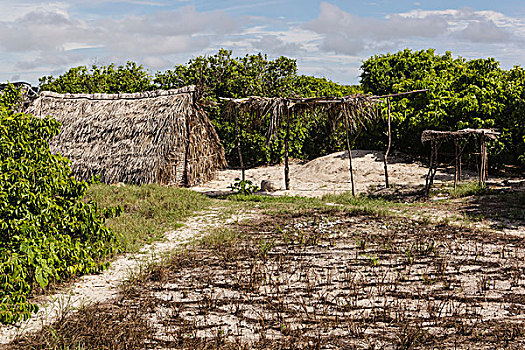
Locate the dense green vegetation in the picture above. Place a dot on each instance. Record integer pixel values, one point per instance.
(462, 93)
(222, 75)
(46, 232)
(53, 227)
(106, 79)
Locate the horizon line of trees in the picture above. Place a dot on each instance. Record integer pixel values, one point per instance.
(462, 93)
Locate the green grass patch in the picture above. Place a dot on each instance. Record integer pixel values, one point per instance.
(218, 237)
(147, 211)
(344, 201)
(463, 190)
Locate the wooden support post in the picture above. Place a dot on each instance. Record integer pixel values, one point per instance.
(486, 177)
(349, 149)
(432, 168)
(456, 167)
(480, 168)
(389, 144)
(286, 150)
(481, 165)
(460, 171)
(237, 139)
(483, 170)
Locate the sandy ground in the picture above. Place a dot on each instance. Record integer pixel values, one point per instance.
(102, 287)
(324, 175)
(330, 174)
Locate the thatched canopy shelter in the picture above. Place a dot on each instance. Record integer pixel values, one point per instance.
(355, 111)
(138, 138)
(359, 108)
(435, 137)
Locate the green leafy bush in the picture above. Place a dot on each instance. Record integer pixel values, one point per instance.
(462, 94)
(105, 79)
(222, 75)
(46, 232)
(243, 187)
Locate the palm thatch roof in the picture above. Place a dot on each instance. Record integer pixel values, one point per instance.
(437, 136)
(358, 109)
(355, 110)
(149, 137)
(430, 135)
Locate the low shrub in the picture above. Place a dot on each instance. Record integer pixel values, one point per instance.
(47, 233)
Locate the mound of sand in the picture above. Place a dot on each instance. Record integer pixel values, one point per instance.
(330, 174)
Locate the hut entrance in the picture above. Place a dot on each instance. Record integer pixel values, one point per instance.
(460, 139)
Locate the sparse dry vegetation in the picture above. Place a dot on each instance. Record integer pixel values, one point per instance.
(305, 276)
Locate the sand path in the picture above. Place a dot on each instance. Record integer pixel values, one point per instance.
(324, 175)
(104, 286)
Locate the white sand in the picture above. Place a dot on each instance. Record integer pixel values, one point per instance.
(330, 174)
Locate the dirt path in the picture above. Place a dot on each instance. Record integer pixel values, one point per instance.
(101, 287)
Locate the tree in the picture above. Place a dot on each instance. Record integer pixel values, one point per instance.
(104, 79)
(462, 94)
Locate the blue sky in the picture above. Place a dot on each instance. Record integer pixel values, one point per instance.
(328, 38)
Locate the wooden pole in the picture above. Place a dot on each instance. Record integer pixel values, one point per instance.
(486, 160)
(461, 148)
(286, 150)
(483, 172)
(432, 168)
(349, 149)
(237, 139)
(404, 93)
(456, 167)
(481, 169)
(389, 144)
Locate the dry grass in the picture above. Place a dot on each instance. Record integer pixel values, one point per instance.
(151, 137)
(318, 279)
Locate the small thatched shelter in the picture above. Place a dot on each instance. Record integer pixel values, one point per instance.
(138, 138)
(435, 137)
(355, 111)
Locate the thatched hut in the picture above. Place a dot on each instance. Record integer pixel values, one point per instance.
(138, 138)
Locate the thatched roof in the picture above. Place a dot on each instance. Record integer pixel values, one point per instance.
(358, 108)
(150, 137)
(429, 135)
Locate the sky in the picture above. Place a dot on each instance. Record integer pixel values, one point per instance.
(327, 38)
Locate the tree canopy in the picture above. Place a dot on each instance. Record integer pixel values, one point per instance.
(462, 94)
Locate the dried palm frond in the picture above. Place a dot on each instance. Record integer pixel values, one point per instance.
(358, 108)
(149, 137)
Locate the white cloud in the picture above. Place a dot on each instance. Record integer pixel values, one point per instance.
(39, 38)
(484, 32)
(477, 26)
(12, 10)
(156, 62)
(275, 45)
(349, 34)
(53, 37)
(352, 35)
